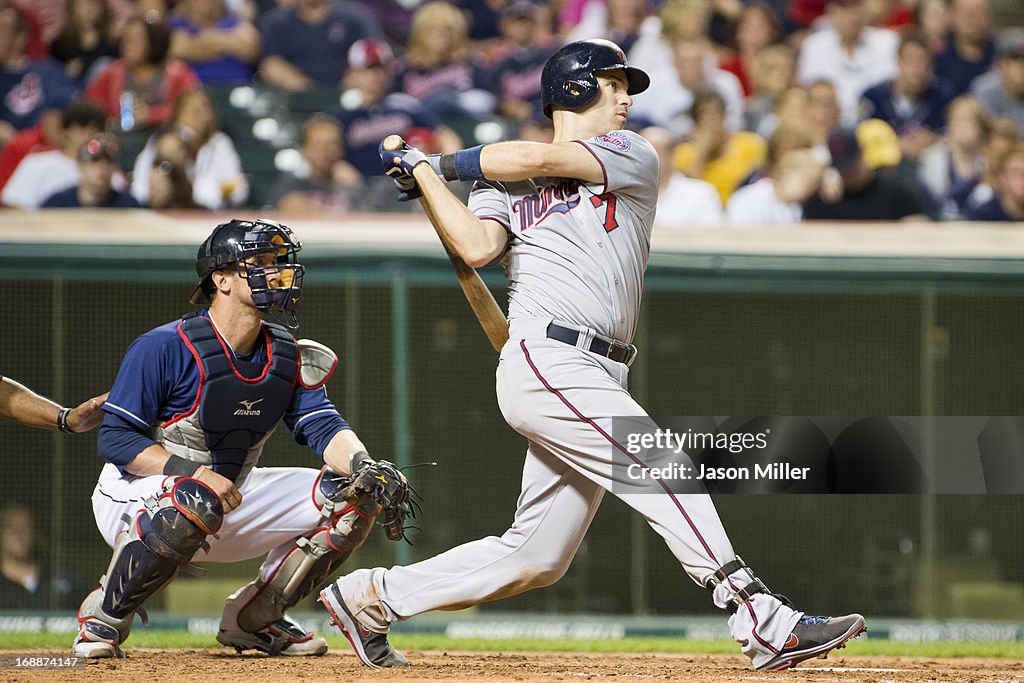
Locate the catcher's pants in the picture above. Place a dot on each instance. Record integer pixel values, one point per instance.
(277, 507)
(562, 399)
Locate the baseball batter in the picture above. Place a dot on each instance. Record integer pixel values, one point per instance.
(571, 221)
(193, 404)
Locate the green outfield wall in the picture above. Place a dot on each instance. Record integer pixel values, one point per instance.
(803, 321)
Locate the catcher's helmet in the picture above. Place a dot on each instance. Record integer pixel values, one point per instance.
(236, 241)
(569, 79)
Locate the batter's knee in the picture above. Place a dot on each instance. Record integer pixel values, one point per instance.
(541, 572)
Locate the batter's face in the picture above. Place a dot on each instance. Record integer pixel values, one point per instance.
(610, 108)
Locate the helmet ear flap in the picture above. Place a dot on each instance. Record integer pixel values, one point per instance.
(574, 88)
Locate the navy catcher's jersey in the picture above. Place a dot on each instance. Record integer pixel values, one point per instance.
(159, 378)
(578, 252)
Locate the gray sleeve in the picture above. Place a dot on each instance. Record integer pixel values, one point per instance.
(630, 165)
(489, 200)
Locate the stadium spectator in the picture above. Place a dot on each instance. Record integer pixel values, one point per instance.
(97, 163)
(1001, 90)
(305, 43)
(682, 202)
(933, 24)
(970, 48)
(757, 28)
(438, 67)
(35, 45)
(221, 47)
(169, 186)
(42, 137)
(696, 70)
(1005, 135)
(25, 580)
(897, 15)
(1008, 202)
(793, 172)
(139, 90)
(850, 54)
(620, 21)
(714, 152)
(214, 166)
(819, 111)
(28, 87)
(484, 16)
(655, 52)
(514, 65)
(369, 113)
(88, 40)
(328, 183)
(48, 14)
(914, 103)
(867, 195)
(772, 75)
(394, 17)
(952, 170)
(44, 173)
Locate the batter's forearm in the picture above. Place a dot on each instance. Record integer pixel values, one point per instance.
(476, 242)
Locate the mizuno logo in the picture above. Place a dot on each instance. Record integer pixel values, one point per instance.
(247, 409)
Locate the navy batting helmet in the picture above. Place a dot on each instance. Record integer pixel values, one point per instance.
(238, 240)
(569, 79)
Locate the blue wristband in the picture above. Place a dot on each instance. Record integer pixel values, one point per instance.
(467, 163)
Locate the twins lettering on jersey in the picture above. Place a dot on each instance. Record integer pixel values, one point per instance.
(248, 408)
(561, 197)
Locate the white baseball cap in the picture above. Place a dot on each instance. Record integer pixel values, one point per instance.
(367, 52)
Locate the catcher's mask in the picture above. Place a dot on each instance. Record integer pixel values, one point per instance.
(242, 243)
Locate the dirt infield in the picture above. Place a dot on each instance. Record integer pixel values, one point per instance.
(222, 666)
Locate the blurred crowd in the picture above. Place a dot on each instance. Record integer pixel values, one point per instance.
(762, 111)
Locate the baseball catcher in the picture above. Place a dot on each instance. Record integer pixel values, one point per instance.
(185, 424)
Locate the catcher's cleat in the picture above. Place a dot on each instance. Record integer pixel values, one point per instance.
(815, 637)
(372, 649)
(283, 637)
(97, 640)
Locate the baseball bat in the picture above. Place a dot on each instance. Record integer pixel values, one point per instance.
(487, 310)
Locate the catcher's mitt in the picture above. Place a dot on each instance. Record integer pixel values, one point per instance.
(383, 483)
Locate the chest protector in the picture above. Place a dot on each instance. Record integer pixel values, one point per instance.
(239, 403)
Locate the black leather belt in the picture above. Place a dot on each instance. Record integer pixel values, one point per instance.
(609, 348)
